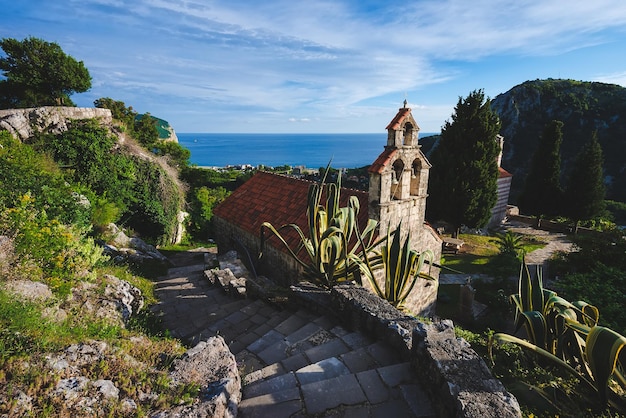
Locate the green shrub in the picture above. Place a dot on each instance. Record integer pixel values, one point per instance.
(27, 171)
(61, 252)
(201, 203)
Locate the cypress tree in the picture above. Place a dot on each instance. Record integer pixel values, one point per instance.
(542, 193)
(464, 174)
(585, 188)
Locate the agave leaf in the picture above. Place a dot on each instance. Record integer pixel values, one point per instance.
(506, 338)
(536, 328)
(604, 351)
(589, 313)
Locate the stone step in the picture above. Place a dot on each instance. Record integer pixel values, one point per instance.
(328, 388)
(350, 347)
(184, 271)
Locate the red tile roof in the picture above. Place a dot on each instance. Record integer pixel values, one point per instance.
(280, 200)
(399, 118)
(503, 173)
(383, 159)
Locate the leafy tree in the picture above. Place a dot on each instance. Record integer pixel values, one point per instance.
(146, 130)
(39, 73)
(118, 110)
(178, 154)
(463, 179)
(201, 203)
(542, 194)
(585, 188)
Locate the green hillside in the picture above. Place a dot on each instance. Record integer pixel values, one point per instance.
(583, 107)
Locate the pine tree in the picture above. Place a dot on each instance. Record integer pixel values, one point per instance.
(585, 188)
(542, 194)
(464, 174)
(39, 73)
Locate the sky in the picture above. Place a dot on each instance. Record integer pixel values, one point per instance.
(320, 66)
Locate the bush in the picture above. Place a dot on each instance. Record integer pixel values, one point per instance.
(145, 195)
(26, 171)
(61, 253)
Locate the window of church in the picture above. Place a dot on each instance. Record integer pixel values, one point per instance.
(408, 134)
(416, 169)
(396, 179)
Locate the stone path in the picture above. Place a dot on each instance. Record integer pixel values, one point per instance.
(293, 364)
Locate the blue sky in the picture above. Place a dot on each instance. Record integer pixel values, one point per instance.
(320, 66)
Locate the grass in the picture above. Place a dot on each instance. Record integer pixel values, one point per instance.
(479, 255)
(137, 358)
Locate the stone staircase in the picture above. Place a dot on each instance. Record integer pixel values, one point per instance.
(292, 363)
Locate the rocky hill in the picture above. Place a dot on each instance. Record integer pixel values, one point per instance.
(583, 107)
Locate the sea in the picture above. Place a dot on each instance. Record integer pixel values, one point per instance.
(308, 150)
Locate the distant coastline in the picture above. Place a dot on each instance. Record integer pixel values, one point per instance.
(308, 150)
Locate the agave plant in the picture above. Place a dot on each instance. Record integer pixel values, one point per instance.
(567, 335)
(335, 247)
(402, 267)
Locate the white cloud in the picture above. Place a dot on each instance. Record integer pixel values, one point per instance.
(322, 57)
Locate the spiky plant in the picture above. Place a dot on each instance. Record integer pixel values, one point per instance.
(402, 266)
(566, 334)
(334, 248)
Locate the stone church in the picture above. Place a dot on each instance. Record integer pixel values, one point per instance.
(397, 196)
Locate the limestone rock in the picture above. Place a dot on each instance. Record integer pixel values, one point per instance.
(107, 388)
(211, 365)
(24, 123)
(131, 247)
(118, 302)
(29, 290)
(450, 362)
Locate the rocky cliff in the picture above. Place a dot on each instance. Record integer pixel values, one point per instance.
(583, 107)
(24, 123)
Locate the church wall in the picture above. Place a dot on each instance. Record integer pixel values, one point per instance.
(275, 264)
(498, 212)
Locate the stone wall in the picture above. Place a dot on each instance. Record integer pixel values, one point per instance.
(457, 379)
(275, 264)
(24, 123)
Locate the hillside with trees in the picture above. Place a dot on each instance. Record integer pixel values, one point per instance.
(584, 108)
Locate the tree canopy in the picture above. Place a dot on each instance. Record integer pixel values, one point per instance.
(464, 174)
(542, 194)
(585, 188)
(39, 73)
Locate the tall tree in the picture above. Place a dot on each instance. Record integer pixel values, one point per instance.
(585, 188)
(542, 193)
(39, 73)
(464, 174)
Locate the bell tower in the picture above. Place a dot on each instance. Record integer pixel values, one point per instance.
(399, 178)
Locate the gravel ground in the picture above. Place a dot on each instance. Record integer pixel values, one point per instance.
(557, 242)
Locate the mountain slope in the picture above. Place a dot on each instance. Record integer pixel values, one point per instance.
(583, 107)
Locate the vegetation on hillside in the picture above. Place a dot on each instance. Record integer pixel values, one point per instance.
(542, 193)
(583, 107)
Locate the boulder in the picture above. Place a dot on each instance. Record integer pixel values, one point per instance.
(211, 365)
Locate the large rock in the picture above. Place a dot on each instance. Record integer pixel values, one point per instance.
(211, 365)
(133, 248)
(24, 123)
(116, 304)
